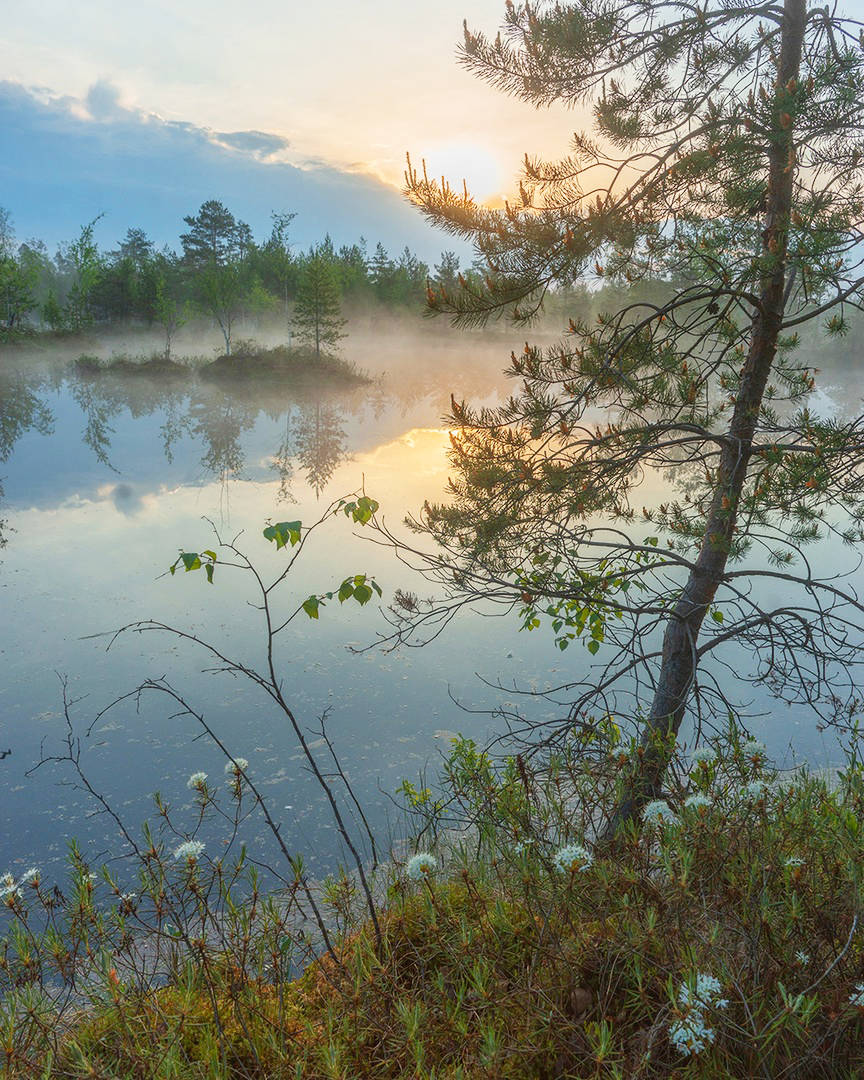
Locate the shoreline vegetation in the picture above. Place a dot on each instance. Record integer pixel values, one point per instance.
(721, 939)
(299, 365)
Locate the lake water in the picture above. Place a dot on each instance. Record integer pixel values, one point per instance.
(106, 479)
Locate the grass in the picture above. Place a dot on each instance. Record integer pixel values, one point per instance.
(721, 939)
(154, 366)
(300, 368)
(299, 365)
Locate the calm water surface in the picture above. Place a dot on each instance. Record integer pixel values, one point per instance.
(105, 479)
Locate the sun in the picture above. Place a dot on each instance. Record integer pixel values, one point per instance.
(464, 160)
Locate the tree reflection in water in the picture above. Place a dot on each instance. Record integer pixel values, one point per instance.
(21, 409)
(220, 418)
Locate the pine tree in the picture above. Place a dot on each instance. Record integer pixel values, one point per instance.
(318, 309)
(215, 237)
(726, 161)
(215, 251)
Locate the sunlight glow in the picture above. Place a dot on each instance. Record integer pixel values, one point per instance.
(460, 160)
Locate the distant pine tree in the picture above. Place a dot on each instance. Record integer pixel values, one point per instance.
(318, 309)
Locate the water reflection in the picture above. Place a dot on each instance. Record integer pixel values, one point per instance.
(320, 442)
(311, 438)
(100, 509)
(21, 409)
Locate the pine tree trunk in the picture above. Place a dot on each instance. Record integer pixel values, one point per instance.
(678, 662)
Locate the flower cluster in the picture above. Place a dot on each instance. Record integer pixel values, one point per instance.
(695, 802)
(421, 866)
(657, 812)
(571, 858)
(690, 1034)
(238, 765)
(197, 781)
(753, 749)
(704, 756)
(703, 992)
(857, 999)
(9, 889)
(190, 849)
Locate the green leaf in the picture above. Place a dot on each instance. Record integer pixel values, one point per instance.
(209, 571)
(362, 510)
(310, 606)
(593, 646)
(366, 507)
(190, 560)
(346, 591)
(362, 594)
(210, 555)
(717, 616)
(284, 533)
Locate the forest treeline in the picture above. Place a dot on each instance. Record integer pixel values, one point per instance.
(220, 272)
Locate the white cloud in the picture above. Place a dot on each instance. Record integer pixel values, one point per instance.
(65, 160)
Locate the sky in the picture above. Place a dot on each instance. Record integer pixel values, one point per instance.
(327, 85)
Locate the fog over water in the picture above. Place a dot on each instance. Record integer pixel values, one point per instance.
(106, 478)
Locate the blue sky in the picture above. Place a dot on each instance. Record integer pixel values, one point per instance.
(145, 109)
(59, 170)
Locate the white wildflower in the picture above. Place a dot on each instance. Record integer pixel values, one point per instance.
(794, 860)
(191, 849)
(7, 880)
(753, 748)
(239, 764)
(657, 812)
(30, 875)
(803, 958)
(571, 858)
(422, 866)
(758, 789)
(857, 999)
(690, 1035)
(128, 897)
(197, 781)
(705, 755)
(702, 992)
(697, 801)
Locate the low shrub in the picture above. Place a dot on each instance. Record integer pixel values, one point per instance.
(719, 939)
